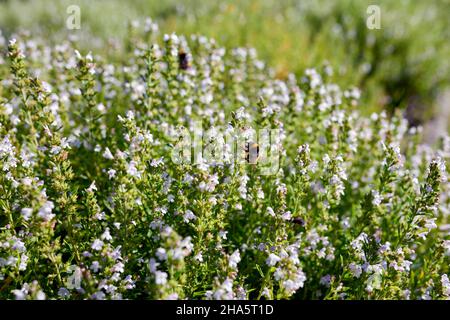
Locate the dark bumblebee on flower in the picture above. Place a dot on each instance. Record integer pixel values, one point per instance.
(251, 152)
(183, 60)
(298, 221)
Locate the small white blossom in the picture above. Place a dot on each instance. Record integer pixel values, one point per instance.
(97, 245)
(272, 260)
(235, 258)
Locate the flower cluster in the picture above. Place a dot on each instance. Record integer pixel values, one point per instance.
(93, 204)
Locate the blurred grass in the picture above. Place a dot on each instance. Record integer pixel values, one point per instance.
(404, 63)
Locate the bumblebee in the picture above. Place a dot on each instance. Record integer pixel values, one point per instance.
(183, 60)
(251, 152)
(298, 221)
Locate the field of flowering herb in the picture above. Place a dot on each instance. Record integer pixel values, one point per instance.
(185, 170)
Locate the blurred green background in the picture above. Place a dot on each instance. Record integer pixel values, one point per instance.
(402, 65)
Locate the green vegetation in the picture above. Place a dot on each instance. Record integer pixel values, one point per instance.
(404, 63)
(133, 172)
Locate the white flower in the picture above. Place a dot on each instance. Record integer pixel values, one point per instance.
(118, 267)
(199, 257)
(241, 114)
(111, 173)
(376, 198)
(78, 55)
(97, 244)
(18, 245)
(26, 213)
(445, 285)
(100, 216)
(407, 294)
(326, 159)
(27, 182)
(19, 294)
(153, 265)
(292, 285)
(95, 266)
(150, 26)
(446, 246)
(272, 260)
(286, 216)
(223, 234)
(355, 269)
(132, 170)
(157, 162)
(45, 212)
(161, 254)
(442, 168)
(40, 295)
(270, 212)
(266, 293)
(173, 37)
(160, 277)
(172, 296)
(107, 154)
(188, 216)
(23, 262)
(210, 184)
(106, 235)
(99, 295)
(101, 107)
(260, 194)
(92, 187)
(235, 258)
(430, 224)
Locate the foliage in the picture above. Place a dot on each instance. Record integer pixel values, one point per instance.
(92, 205)
(403, 64)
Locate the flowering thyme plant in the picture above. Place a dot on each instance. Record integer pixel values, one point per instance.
(117, 181)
